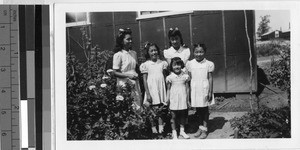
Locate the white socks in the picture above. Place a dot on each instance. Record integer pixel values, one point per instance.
(183, 134)
(203, 128)
(160, 128)
(154, 130)
(174, 134)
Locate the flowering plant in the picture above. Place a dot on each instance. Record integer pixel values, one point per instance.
(97, 109)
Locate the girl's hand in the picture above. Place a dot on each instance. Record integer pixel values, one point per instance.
(209, 97)
(146, 105)
(168, 102)
(149, 99)
(132, 76)
(188, 104)
(165, 103)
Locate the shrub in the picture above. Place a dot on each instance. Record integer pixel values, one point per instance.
(279, 71)
(264, 123)
(97, 109)
(269, 49)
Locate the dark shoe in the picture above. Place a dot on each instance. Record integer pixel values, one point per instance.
(198, 133)
(203, 135)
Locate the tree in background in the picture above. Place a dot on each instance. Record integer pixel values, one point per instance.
(263, 26)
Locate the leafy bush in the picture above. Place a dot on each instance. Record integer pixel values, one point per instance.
(97, 109)
(264, 123)
(269, 49)
(280, 70)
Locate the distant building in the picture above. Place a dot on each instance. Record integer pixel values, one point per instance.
(277, 34)
(286, 35)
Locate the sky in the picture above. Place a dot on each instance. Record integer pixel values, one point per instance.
(278, 19)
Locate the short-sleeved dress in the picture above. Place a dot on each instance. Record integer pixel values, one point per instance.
(183, 53)
(155, 80)
(126, 61)
(178, 95)
(199, 82)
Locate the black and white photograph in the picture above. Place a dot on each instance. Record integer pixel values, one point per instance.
(149, 74)
(187, 76)
(112, 95)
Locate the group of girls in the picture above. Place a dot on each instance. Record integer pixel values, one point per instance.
(177, 82)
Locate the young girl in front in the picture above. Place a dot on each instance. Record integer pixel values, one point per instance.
(178, 96)
(200, 70)
(154, 83)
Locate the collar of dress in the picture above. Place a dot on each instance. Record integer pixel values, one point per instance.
(202, 61)
(126, 52)
(179, 50)
(178, 76)
(152, 62)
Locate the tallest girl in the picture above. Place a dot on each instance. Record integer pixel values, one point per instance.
(125, 63)
(177, 48)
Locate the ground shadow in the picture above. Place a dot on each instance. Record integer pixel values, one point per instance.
(213, 124)
(216, 123)
(193, 124)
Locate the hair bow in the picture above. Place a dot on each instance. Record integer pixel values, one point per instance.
(124, 31)
(171, 29)
(147, 44)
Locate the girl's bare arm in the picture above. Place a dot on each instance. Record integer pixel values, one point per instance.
(168, 92)
(145, 77)
(187, 87)
(119, 74)
(210, 89)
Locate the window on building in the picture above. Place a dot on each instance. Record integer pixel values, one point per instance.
(276, 34)
(155, 14)
(77, 19)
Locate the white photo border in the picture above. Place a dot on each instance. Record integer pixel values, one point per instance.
(59, 101)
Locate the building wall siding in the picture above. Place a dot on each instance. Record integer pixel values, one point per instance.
(222, 31)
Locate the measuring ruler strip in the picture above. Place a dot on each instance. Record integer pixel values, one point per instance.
(9, 78)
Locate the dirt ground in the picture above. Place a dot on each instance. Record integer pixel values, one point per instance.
(230, 106)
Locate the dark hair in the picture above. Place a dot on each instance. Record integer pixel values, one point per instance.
(200, 45)
(177, 61)
(146, 49)
(120, 37)
(173, 33)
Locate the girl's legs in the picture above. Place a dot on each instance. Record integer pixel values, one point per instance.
(203, 114)
(173, 124)
(152, 119)
(183, 115)
(200, 116)
(160, 125)
(153, 125)
(205, 121)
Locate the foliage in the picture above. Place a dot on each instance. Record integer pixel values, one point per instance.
(264, 123)
(219, 99)
(97, 109)
(269, 49)
(263, 26)
(280, 70)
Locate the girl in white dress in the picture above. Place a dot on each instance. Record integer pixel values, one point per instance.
(124, 64)
(154, 82)
(177, 48)
(178, 96)
(200, 70)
